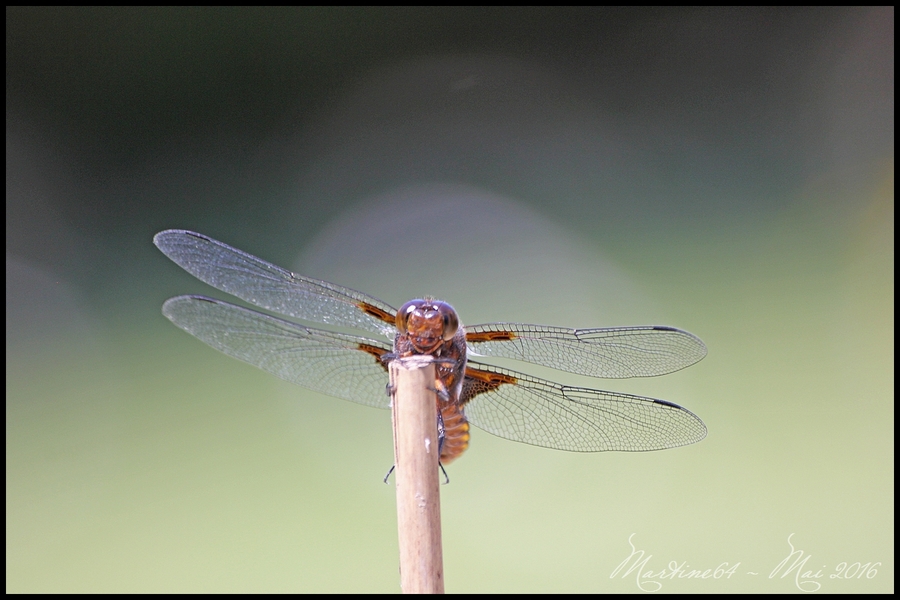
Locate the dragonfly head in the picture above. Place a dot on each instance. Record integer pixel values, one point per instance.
(427, 324)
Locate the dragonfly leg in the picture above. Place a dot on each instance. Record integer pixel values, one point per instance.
(441, 437)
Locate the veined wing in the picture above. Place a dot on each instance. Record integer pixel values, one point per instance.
(613, 352)
(336, 364)
(542, 413)
(273, 288)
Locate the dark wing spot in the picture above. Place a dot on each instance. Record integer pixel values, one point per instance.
(490, 336)
(377, 312)
(479, 381)
(375, 351)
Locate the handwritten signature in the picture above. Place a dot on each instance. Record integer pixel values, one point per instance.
(805, 579)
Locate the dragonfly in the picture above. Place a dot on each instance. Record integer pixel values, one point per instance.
(503, 402)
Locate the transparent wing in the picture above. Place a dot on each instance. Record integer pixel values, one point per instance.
(335, 364)
(273, 288)
(614, 352)
(542, 413)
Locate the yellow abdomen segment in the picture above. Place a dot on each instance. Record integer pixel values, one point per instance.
(456, 432)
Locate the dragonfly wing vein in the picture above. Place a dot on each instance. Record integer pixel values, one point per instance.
(538, 412)
(332, 363)
(268, 286)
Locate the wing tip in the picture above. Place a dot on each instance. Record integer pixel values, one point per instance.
(162, 238)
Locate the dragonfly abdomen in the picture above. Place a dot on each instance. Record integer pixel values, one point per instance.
(456, 431)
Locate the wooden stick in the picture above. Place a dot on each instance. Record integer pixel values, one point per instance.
(416, 454)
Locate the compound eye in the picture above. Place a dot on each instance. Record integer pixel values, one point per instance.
(450, 320)
(407, 309)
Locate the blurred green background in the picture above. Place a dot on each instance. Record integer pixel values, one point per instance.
(726, 171)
